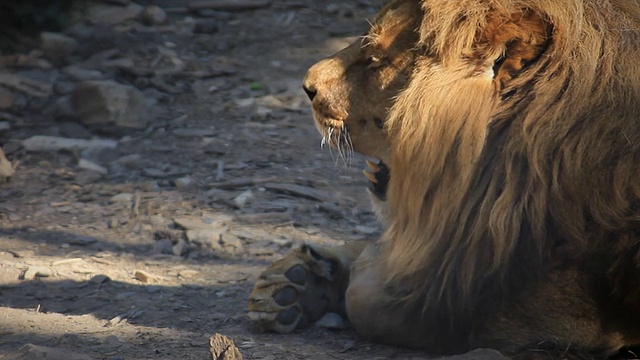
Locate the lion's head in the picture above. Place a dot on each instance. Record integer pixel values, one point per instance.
(510, 129)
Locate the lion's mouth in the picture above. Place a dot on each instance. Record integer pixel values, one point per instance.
(378, 175)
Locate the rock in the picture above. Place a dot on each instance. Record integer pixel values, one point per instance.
(54, 143)
(57, 46)
(74, 130)
(331, 321)
(144, 276)
(180, 248)
(64, 87)
(183, 182)
(367, 230)
(207, 26)
(283, 242)
(33, 272)
(243, 199)
(81, 74)
(132, 161)
(194, 132)
(205, 222)
(270, 101)
(206, 237)
(87, 177)
(163, 246)
(64, 107)
(89, 165)
(122, 198)
(6, 99)
(109, 103)
(153, 15)
(110, 15)
(223, 348)
(118, 2)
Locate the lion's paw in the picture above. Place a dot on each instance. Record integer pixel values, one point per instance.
(297, 290)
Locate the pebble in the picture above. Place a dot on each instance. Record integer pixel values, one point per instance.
(207, 26)
(163, 246)
(87, 177)
(196, 222)
(33, 272)
(54, 143)
(153, 15)
(243, 199)
(107, 102)
(56, 46)
(183, 183)
(331, 321)
(90, 165)
(180, 248)
(122, 198)
(144, 276)
(82, 74)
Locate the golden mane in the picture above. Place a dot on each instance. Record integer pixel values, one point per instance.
(504, 172)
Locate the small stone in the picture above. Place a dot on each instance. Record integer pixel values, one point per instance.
(283, 242)
(180, 248)
(89, 165)
(163, 246)
(243, 199)
(331, 321)
(153, 15)
(207, 26)
(6, 99)
(231, 240)
(245, 102)
(270, 101)
(56, 46)
(87, 177)
(122, 198)
(111, 341)
(33, 272)
(54, 143)
(64, 87)
(111, 15)
(187, 274)
(183, 183)
(132, 162)
(64, 107)
(144, 276)
(194, 132)
(154, 173)
(206, 237)
(82, 74)
(197, 222)
(367, 230)
(74, 130)
(110, 103)
(223, 348)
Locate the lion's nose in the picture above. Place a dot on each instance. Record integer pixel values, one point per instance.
(311, 93)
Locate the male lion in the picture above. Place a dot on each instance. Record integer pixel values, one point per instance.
(509, 138)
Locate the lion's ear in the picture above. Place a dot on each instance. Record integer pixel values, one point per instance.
(513, 41)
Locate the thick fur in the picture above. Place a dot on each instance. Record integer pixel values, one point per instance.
(499, 179)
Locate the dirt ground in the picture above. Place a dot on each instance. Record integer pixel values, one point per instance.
(95, 261)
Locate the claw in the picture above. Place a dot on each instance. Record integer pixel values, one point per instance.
(370, 176)
(373, 166)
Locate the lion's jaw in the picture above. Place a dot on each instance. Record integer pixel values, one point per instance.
(352, 91)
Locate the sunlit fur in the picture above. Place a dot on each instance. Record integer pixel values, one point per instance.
(493, 178)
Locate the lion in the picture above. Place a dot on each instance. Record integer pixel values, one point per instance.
(508, 139)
